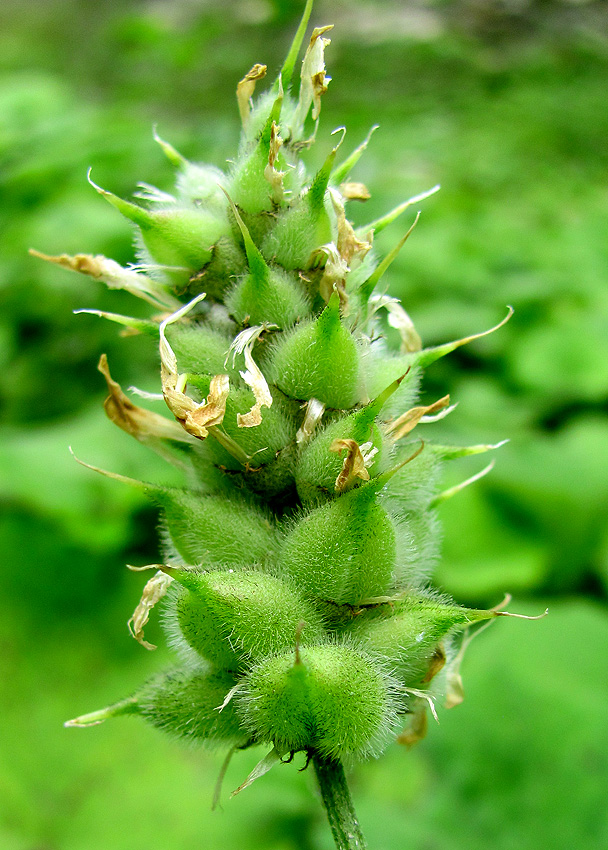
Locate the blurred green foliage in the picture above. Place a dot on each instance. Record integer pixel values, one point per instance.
(511, 120)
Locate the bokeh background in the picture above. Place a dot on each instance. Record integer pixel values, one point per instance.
(503, 102)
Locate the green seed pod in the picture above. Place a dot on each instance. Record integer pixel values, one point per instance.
(250, 188)
(185, 703)
(408, 632)
(260, 443)
(318, 360)
(276, 298)
(343, 551)
(267, 294)
(180, 238)
(320, 465)
(380, 367)
(298, 233)
(233, 618)
(332, 698)
(414, 484)
(217, 277)
(200, 349)
(304, 227)
(273, 481)
(263, 441)
(319, 468)
(198, 185)
(209, 529)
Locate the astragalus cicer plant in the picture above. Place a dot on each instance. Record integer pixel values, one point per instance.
(296, 561)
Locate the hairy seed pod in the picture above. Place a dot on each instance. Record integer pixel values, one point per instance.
(332, 698)
(180, 239)
(303, 228)
(343, 551)
(210, 529)
(185, 704)
(379, 368)
(250, 188)
(200, 349)
(276, 298)
(198, 185)
(233, 618)
(408, 632)
(415, 483)
(318, 360)
(320, 464)
(268, 293)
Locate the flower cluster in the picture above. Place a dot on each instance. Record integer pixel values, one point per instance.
(296, 561)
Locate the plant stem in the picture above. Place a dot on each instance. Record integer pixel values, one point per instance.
(338, 804)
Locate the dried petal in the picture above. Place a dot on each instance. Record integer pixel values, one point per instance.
(355, 191)
(195, 418)
(353, 466)
(347, 253)
(114, 276)
(436, 664)
(167, 357)
(350, 247)
(408, 420)
(314, 413)
(454, 694)
(245, 90)
(314, 65)
(142, 424)
(314, 78)
(398, 319)
(334, 275)
(253, 377)
(423, 695)
(210, 412)
(417, 728)
(437, 417)
(273, 175)
(154, 590)
(454, 687)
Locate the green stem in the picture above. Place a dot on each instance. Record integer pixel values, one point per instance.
(338, 804)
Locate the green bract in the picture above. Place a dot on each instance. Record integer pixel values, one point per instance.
(297, 555)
